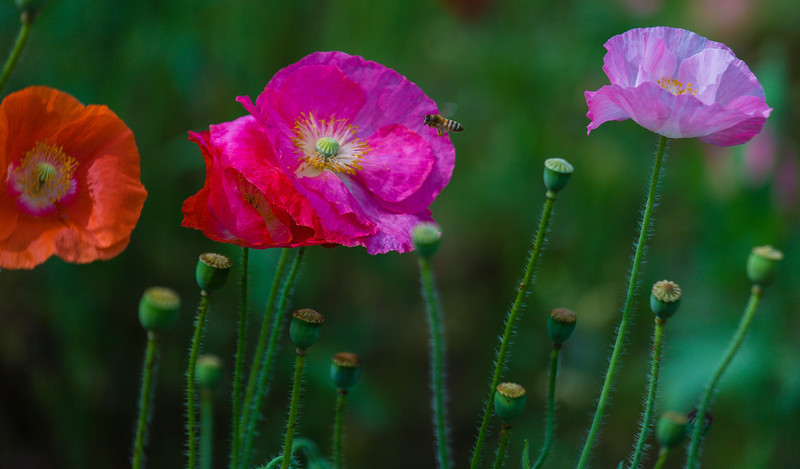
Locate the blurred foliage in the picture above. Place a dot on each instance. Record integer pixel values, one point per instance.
(71, 346)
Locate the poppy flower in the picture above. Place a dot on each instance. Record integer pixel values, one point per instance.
(349, 136)
(679, 85)
(259, 210)
(70, 180)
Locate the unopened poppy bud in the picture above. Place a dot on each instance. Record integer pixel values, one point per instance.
(665, 297)
(556, 174)
(158, 309)
(208, 371)
(509, 401)
(691, 421)
(560, 324)
(212, 271)
(345, 369)
(762, 264)
(426, 238)
(305, 328)
(671, 429)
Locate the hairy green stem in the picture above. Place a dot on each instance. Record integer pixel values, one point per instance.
(437, 360)
(264, 370)
(337, 428)
(756, 293)
(191, 408)
(146, 395)
(22, 38)
(647, 414)
(551, 407)
(292, 422)
(255, 367)
(623, 325)
(236, 398)
(511, 318)
(505, 434)
(206, 429)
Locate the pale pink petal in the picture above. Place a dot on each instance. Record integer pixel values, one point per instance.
(716, 98)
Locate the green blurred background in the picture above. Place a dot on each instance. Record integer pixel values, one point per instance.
(71, 346)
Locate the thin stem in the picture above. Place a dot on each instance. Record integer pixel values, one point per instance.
(290, 424)
(337, 429)
(551, 407)
(206, 429)
(146, 395)
(437, 360)
(505, 434)
(13, 58)
(511, 318)
(236, 397)
(694, 447)
(264, 371)
(255, 367)
(190, 380)
(662, 458)
(623, 325)
(647, 415)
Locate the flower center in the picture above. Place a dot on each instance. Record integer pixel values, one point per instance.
(43, 178)
(327, 145)
(675, 87)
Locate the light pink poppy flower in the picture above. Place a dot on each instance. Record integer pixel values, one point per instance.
(349, 134)
(678, 85)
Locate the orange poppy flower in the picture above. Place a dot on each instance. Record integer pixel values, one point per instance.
(69, 180)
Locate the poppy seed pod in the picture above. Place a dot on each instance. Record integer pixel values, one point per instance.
(509, 401)
(762, 264)
(212, 271)
(560, 324)
(158, 309)
(426, 238)
(345, 369)
(665, 297)
(671, 429)
(556, 173)
(305, 328)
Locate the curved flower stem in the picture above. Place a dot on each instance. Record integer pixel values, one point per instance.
(266, 361)
(551, 407)
(647, 415)
(623, 325)
(756, 293)
(190, 380)
(22, 39)
(239, 361)
(290, 424)
(505, 434)
(145, 397)
(662, 458)
(437, 360)
(337, 429)
(206, 429)
(511, 318)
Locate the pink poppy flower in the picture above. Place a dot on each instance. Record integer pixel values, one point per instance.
(349, 135)
(678, 85)
(259, 210)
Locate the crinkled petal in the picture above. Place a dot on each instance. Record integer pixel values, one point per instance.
(96, 222)
(716, 97)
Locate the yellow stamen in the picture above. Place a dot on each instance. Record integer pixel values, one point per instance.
(44, 177)
(675, 87)
(327, 145)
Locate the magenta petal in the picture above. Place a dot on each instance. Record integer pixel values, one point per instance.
(397, 166)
